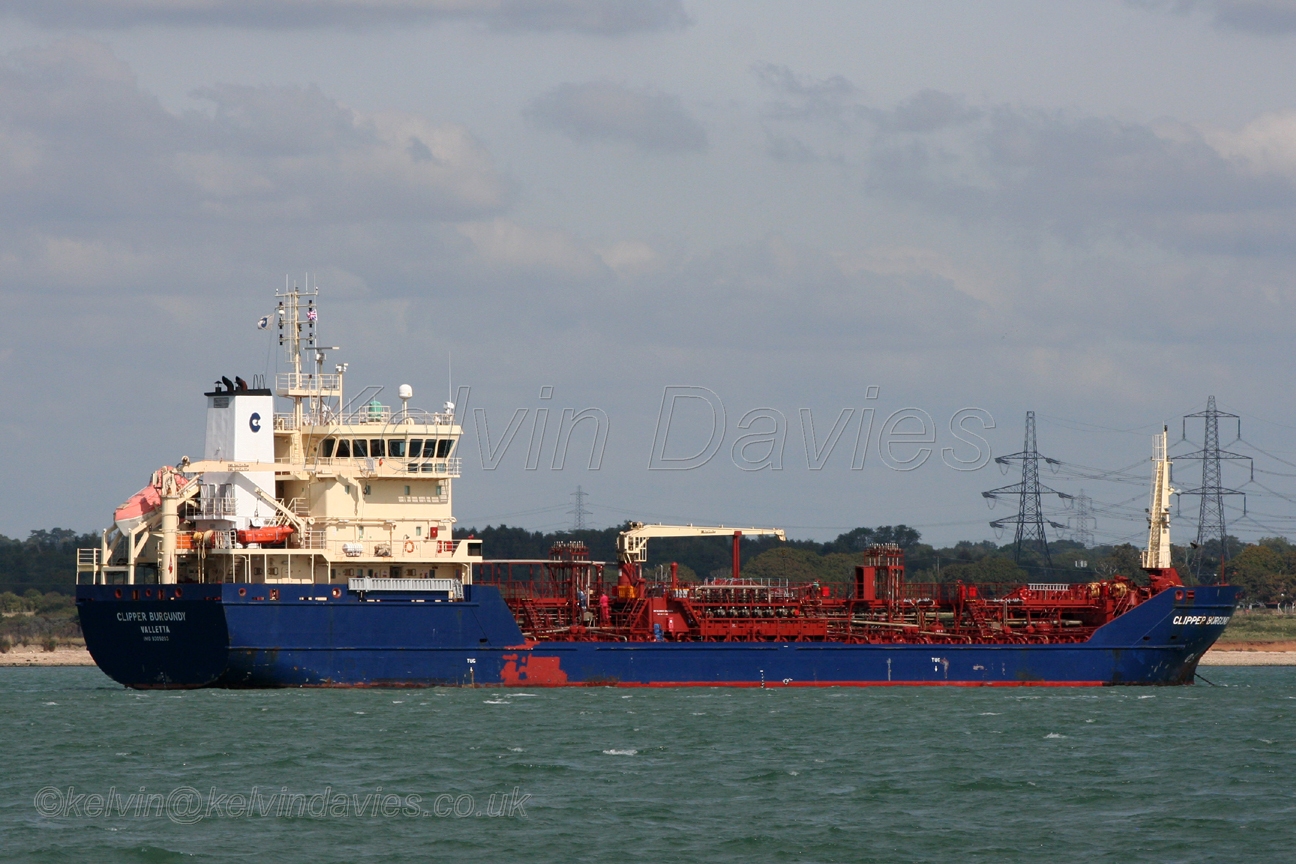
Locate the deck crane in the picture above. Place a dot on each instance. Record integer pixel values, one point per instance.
(632, 544)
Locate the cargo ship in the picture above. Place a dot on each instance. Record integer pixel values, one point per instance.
(315, 547)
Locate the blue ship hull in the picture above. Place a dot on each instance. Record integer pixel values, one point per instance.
(189, 636)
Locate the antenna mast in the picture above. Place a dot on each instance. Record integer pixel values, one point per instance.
(297, 317)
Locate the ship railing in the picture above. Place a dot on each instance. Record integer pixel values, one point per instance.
(418, 417)
(444, 467)
(366, 584)
(87, 561)
(440, 498)
(538, 578)
(216, 506)
(310, 538)
(367, 415)
(391, 465)
(397, 548)
(364, 417)
(307, 382)
(945, 592)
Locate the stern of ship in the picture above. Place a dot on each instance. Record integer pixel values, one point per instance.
(155, 637)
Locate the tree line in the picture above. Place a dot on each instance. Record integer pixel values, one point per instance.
(1265, 571)
(44, 562)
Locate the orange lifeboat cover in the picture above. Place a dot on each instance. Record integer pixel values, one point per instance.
(269, 534)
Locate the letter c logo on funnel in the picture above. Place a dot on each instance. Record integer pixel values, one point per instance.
(255, 422)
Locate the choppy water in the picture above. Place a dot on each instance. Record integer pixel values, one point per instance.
(888, 775)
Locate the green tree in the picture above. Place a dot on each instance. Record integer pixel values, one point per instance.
(1264, 571)
(1122, 560)
(988, 568)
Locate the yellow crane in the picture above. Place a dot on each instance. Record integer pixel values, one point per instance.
(632, 544)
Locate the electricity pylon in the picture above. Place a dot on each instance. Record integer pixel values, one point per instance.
(1030, 512)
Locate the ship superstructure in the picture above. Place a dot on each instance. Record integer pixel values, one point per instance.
(327, 492)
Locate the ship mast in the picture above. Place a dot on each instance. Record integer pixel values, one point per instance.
(308, 391)
(1156, 558)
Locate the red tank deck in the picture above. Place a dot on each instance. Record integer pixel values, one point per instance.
(567, 599)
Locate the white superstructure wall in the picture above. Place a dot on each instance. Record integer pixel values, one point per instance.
(240, 428)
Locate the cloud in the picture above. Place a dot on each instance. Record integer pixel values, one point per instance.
(294, 152)
(599, 17)
(1262, 17)
(789, 83)
(1266, 145)
(505, 245)
(1078, 175)
(79, 140)
(804, 98)
(600, 110)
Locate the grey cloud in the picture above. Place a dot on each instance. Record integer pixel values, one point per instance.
(1079, 176)
(607, 111)
(789, 83)
(928, 111)
(79, 140)
(788, 149)
(1264, 17)
(799, 97)
(600, 17)
(812, 293)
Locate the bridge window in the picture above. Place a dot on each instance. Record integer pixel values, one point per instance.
(443, 447)
(359, 447)
(343, 449)
(326, 448)
(416, 448)
(396, 448)
(376, 447)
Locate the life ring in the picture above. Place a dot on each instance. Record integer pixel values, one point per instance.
(409, 547)
(337, 592)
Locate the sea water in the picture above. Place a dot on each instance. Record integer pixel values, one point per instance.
(93, 772)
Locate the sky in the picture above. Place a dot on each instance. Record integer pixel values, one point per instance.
(807, 264)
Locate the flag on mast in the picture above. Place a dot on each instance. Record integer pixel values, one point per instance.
(263, 323)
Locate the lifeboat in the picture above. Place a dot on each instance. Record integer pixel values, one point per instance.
(137, 508)
(141, 505)
(265, 536)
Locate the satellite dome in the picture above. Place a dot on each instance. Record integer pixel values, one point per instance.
(406, 391)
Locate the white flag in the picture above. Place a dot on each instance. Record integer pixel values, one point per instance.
(263, 323)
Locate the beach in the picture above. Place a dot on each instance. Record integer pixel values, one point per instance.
(1235, 654)
(34, 655)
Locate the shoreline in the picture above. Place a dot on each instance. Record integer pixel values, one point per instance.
(1236, 654)
(30, 655)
